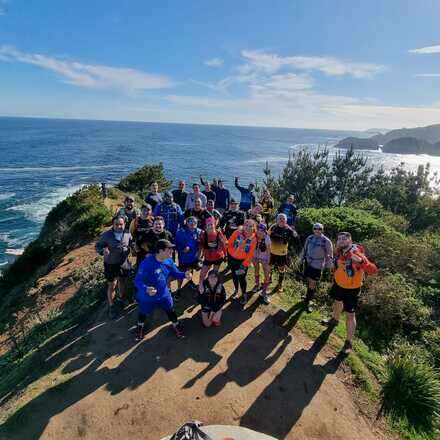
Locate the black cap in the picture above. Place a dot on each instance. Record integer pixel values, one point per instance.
(233, 201)
(164, 244)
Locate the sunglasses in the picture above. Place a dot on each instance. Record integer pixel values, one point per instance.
(317, 229)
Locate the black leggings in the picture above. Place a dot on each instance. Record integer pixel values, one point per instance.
(170, 313)
(239, 280)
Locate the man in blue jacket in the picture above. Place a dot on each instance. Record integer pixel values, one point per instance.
(289, 209)
(152, 287)
(188, 249)
(171, 213)
(247, 200)
(223, 197)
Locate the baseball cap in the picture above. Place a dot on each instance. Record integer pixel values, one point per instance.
(164, 244)
(262, 227)
(318, 226)
(233, 201)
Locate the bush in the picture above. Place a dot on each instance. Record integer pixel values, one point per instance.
(375, 208)
(414, 257)
(90, 223)
(140, 181)
(360, 224)
(389, 308)
(411, 388)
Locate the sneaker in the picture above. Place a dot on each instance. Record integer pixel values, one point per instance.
(234, 294)
(279, 288)
(140, 333)
(347, 348)
(308, 306)
(331, 322)
(112, 312)
(178, 330)
(265, 298)
(256, 288)
(244, 299)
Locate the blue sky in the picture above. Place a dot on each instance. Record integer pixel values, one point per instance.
(291, 63)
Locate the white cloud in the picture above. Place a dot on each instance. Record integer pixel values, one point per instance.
(426, 50)
(428, 75)
(214, 62)
(260, 61)
(89, 75)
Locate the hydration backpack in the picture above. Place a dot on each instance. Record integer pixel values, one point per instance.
(190, 431)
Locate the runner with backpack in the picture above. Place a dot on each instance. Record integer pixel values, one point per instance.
(316, 255)
(139, 228)
(351, 265)
(170, 212)
(129, 212)
(262, 258)
(212, 298)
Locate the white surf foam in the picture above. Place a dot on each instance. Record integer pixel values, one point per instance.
(15, 252)
(6, 196)
(37, 210)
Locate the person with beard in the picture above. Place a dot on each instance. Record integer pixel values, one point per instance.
(156, 233)
(232, 219)
(170, 212)
(351, 265)
(129, 212)
(200, 213)
(154, 197)
(210, 207)
(139, 228)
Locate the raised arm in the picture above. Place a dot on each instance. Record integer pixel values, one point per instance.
(240, 188)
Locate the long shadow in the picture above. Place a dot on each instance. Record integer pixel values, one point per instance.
(261, 348)
(160, 349)
(282, 403)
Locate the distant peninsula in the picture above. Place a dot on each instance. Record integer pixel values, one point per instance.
(419, 140)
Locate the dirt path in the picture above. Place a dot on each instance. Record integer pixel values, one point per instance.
(254, 371)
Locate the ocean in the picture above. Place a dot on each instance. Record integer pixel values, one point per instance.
(44, 160)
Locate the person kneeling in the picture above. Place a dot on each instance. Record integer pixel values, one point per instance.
(212, 298)
(152, 286)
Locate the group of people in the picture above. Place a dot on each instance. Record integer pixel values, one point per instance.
(203, 229)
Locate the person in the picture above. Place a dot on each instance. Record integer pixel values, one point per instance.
(316, 255)
(351, 265)
(208, 192)
(104, 190)
(247, 199)
(232, 219)
(151, 283)
(156, 233)
(195, 195)
(180, 195)
(281, 235)
(154, 197)
(210, 207)
(241, 249)
(289, 209)
(115, 245)
(129, 212)
(213, 248)
(222, 197)
(188, 249)
(214, 183)
(199, 212)
(139, 228)
(212, 298)
(262, 258)
(254, 212)
(266, 201)
(170, 212)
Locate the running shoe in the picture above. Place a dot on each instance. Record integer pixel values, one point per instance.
(347, 348)
(178, 330)
(265, 298)
(244, 299)
(331, 322)
(139, 333)
(256, 288)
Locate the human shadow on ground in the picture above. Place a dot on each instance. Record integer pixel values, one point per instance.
(160, 349)
(282, 403)
(269, 339)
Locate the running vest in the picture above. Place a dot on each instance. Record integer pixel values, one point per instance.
(141, 227)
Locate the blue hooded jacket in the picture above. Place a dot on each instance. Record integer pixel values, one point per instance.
(184, 238)
(172, 214)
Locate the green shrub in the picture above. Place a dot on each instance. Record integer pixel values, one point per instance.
(411, 389)
(413, 257)
(375, 208)
(90, 222)
(360, 224)
(431, 340)
(389, 307)
(140, 181)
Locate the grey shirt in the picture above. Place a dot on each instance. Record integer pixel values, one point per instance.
(119, 249)
(191, 197)
(318, 252)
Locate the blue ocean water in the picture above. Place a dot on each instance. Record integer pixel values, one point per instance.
(44, 160)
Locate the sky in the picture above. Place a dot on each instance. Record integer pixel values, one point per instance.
(339, 64)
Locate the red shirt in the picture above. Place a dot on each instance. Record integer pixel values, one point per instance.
(213, 245)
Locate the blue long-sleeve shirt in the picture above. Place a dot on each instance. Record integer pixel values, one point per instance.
(172, 214)
(223, 197)
(185, 237)
(247, 199)
(291, 212)
(154, 273)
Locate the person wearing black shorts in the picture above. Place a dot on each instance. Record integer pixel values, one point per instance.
(351, 264)
(316, 255)
(115, 245)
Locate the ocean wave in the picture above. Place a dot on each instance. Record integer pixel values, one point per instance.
(37, 210)
(6, 196)
(89, 167)
(15, 252)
